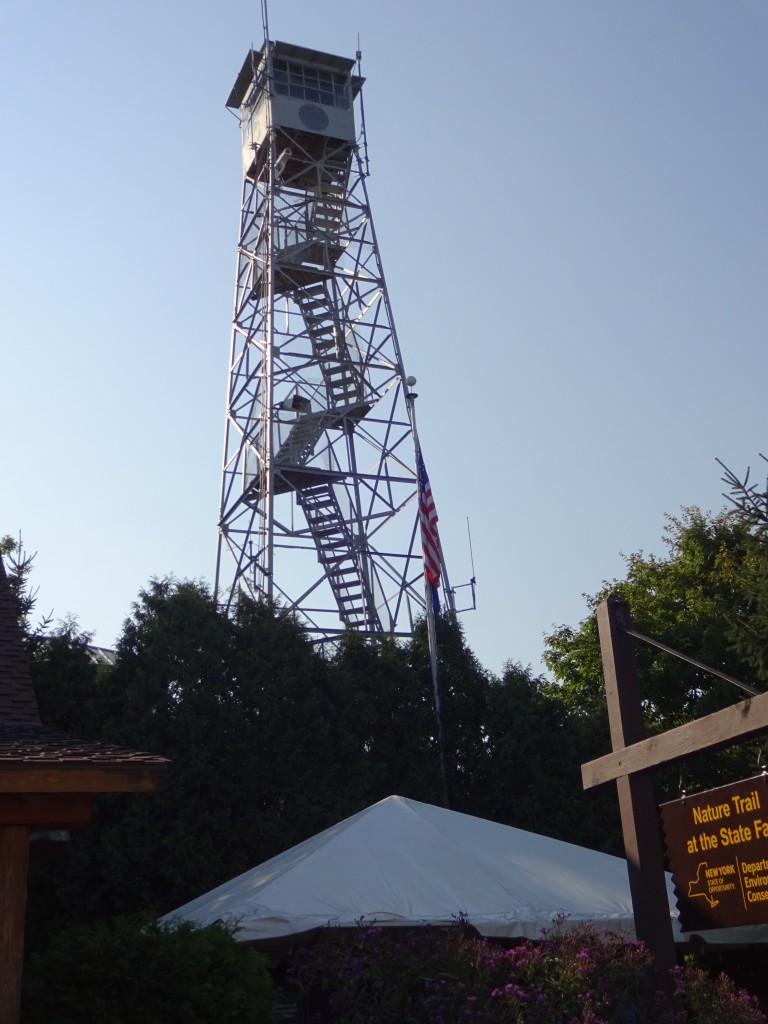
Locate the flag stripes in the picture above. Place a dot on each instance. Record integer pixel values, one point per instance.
(430, 539)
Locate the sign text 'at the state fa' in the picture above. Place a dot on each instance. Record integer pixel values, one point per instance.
(717, 844)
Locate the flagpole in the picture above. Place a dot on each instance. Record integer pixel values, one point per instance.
(430, 596)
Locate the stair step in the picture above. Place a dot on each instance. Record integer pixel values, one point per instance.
(319, 516)
(316, 500)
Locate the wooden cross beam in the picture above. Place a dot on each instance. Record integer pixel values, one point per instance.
(744, 720)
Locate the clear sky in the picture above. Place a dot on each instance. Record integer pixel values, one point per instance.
(571, 202)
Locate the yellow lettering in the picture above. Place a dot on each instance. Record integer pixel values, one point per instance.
(710, 812)
(734, 836)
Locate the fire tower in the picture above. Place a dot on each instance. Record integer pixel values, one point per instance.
(319, 501)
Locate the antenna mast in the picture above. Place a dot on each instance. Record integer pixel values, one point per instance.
(363, 133)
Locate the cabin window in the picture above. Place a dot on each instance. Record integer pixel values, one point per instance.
(315, 85)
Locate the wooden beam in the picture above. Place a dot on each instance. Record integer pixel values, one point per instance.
(736, 723)
(45, 810)
(637, 803)
(14, 859)
(75, 779)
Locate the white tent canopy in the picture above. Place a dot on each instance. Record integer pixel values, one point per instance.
(401, 862)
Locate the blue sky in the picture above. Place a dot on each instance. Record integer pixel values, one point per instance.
(570, 199)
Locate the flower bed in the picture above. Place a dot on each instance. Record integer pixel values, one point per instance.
(574, 975)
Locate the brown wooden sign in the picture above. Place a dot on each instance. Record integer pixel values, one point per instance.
(717, 844)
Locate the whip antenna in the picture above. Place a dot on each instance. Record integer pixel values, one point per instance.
(363, 134)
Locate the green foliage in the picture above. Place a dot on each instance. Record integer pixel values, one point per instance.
(693, 599)
(18, 564)
(688, 600)
(535, 748)
(136, 970)
(573, 975)
(67, 682)
(751, 625)
(750, 502)
(386, 721)
(463, 685)
(750, 621)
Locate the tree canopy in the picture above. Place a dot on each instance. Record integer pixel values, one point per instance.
(696, 600)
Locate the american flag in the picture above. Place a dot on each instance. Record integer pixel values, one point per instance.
(430, 539)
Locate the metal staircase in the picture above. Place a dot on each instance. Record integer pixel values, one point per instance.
(302, 438)
(340, 374)
(328, 208)
(344, 400)
(336, 551)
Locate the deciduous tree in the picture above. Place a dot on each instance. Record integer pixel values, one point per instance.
(692, 599)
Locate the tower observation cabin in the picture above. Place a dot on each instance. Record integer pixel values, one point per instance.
(319, 500)
(310, 94)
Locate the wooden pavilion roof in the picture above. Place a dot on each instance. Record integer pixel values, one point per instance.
(35, 758)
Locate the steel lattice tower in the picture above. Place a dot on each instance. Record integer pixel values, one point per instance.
(319, 500)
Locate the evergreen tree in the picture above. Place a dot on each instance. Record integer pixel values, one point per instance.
(536, 746)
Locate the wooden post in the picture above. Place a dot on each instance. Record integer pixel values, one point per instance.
(639, 816)
(14, 859)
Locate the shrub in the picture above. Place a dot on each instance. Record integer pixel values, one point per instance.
(572, 976)
(135, 970)
(716, 1000)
